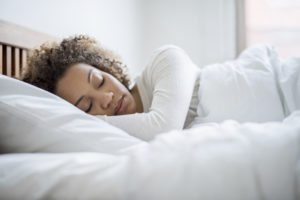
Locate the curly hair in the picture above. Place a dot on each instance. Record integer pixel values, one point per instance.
(47, 64)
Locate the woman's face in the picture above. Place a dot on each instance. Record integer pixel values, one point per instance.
(95, 92)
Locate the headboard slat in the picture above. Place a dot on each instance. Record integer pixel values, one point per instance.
(8, 59)
(23, 59)
(16, 63)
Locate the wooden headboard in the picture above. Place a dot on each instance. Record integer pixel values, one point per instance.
(15, 41)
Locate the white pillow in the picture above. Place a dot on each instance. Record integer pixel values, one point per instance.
(244, 90)
(34, 120)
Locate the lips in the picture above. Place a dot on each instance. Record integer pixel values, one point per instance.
(118, 108)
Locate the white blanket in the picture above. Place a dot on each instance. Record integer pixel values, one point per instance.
(227, 160)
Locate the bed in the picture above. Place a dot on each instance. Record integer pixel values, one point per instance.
(244, 144)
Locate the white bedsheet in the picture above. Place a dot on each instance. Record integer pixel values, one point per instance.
(227, 160)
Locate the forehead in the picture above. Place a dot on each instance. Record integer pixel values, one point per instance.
(79, 69)
(74, 82)
(76, 74)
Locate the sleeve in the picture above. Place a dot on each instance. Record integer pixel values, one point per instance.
(171, 76)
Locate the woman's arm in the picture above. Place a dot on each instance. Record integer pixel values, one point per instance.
(169, 79)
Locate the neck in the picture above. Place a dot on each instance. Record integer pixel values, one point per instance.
(136, 95)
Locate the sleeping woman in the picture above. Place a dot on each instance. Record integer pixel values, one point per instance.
(92, 78)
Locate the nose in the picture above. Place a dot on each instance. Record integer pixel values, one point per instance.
(106, 99)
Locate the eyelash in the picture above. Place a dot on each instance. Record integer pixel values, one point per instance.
(89, 108)
(102, 82)
(91, 104)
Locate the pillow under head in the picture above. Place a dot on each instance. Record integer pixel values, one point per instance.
(34, 120)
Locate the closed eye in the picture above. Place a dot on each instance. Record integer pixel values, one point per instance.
(102, 82)
(91, 104)
(89, 108)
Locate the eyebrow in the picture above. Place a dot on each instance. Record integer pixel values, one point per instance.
(89, 80)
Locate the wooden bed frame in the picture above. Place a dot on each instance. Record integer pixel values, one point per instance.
(15, 41)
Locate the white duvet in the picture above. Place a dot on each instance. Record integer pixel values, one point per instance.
(225, 160)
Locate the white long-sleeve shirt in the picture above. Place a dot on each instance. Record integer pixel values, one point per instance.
(168, 88)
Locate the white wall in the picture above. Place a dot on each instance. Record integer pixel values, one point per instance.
(133, 28)
(204, 28)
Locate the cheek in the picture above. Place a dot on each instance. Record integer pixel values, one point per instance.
(120, 86)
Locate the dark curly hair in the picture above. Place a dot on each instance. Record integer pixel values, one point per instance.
(47, 64)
